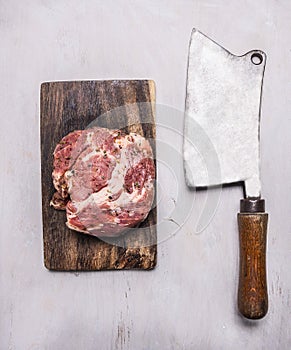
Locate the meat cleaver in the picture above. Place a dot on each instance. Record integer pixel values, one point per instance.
(223, 103)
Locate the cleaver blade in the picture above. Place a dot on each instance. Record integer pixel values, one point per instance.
(223, 97)
(221, 146)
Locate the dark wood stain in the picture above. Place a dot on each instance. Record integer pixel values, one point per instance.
(252, 291)
(68, 106)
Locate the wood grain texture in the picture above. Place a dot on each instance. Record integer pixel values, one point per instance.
(252, 290)
(68, 106)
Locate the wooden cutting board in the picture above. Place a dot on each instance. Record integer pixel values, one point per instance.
(68, 106)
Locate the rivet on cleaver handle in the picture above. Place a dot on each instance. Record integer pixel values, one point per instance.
(252, 289)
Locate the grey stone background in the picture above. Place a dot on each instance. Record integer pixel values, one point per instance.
(189, 300)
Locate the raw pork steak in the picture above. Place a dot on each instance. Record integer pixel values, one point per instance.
(104, 180)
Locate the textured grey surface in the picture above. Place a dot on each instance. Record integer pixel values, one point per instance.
(189, 300)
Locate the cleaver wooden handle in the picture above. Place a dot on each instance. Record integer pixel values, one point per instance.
(252, 289)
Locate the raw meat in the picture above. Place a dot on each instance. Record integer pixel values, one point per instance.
(104, 180)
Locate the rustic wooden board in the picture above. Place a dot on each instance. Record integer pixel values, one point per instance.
(67, 106)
